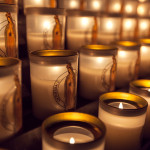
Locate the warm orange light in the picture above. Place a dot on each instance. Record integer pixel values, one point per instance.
(72, 140)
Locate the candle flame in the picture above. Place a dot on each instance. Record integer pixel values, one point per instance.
(148, 90)
(121, 106)
(72, 140)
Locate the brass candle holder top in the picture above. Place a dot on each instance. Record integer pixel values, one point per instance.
(145, 41)
(8, 61)
(141, 87)
(139, 103)
(99, 49)
(89, 122)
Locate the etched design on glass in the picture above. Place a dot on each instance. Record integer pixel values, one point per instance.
(109, 85)
(2, 53)
(10, 37)
(11, 108)
(68, 102)
(95, 31)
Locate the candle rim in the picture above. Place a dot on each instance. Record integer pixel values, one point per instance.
(79, 118)
(145, 41)
(140, 103)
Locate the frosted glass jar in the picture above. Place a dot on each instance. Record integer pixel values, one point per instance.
(124, 116)
(128, 62)
(53, 81)
(8, 31)
(145, 61)
(109, 28)
(142, 88)
(83, 27)
(45, 28)
(40, 3)
(97, 70)
(10, 97)
(73, 131)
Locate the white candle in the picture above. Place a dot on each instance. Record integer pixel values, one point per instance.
(142, 88)
(73, 131)
(145, 61)
(10, 97)
(128, 62)
(45, 29)
(50, 77)
(81, 27)
(97, 68)
(123, 125)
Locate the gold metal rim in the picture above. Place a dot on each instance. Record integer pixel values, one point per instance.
(128, 44)
(74, 117)
(139, 102)
(8, 61)
(145, 41)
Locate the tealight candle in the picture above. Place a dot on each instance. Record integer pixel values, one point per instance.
(124, 121)
(128, 62)
(10, 97)
(53, 81)
(142, 88)
(145, 61)
(82, 28)
(97, 70)
(8, 31)
(45, 28)
(72, 131)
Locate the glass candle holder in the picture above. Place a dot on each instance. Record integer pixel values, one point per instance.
(97, 70)
(53, 81)
(40, 3)
(128, 62)
(45, 28)
(142, 88)
(109, 29)
(72, 131)
(82, 28)
(8, 31)
(10, 97)
(9, 2)
(145, 61)
(124, 116)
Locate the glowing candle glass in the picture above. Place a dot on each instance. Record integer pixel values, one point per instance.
(145, 61)
(10, 97)
(69, 4)
(128, 62)
(53, 81)
(45, 28)
(72, 131)
(40, 3)
(82, 28)
(109, 29)
(142, 88)
(97, 70)
(123, 124)
(8, 31)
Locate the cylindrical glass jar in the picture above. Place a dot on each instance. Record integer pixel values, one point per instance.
(124, 116)
(109, 28)
(10, 97)
(40, 3)
(8, 31)
(97, 70)
(145, 61)
(128, 62)
(142, 88)
(45, 28)
(73, 131)
(82, 28)
(53, 81)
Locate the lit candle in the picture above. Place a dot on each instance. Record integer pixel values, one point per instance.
(142, 88)
(97, 70)
(53, 81)
(128, 62)
(145, 61)
(72, 131)
(109, 32)
(95, 5)
(10, 97)
(45, 28)
(124, 123)
(143, 8)
(71, 4)
(82, 26)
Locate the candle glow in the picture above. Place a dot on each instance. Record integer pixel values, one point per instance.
(73, 4)
(128, 8)
(109, 25)
(121, 106)
(72, 140)
(96, 4)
